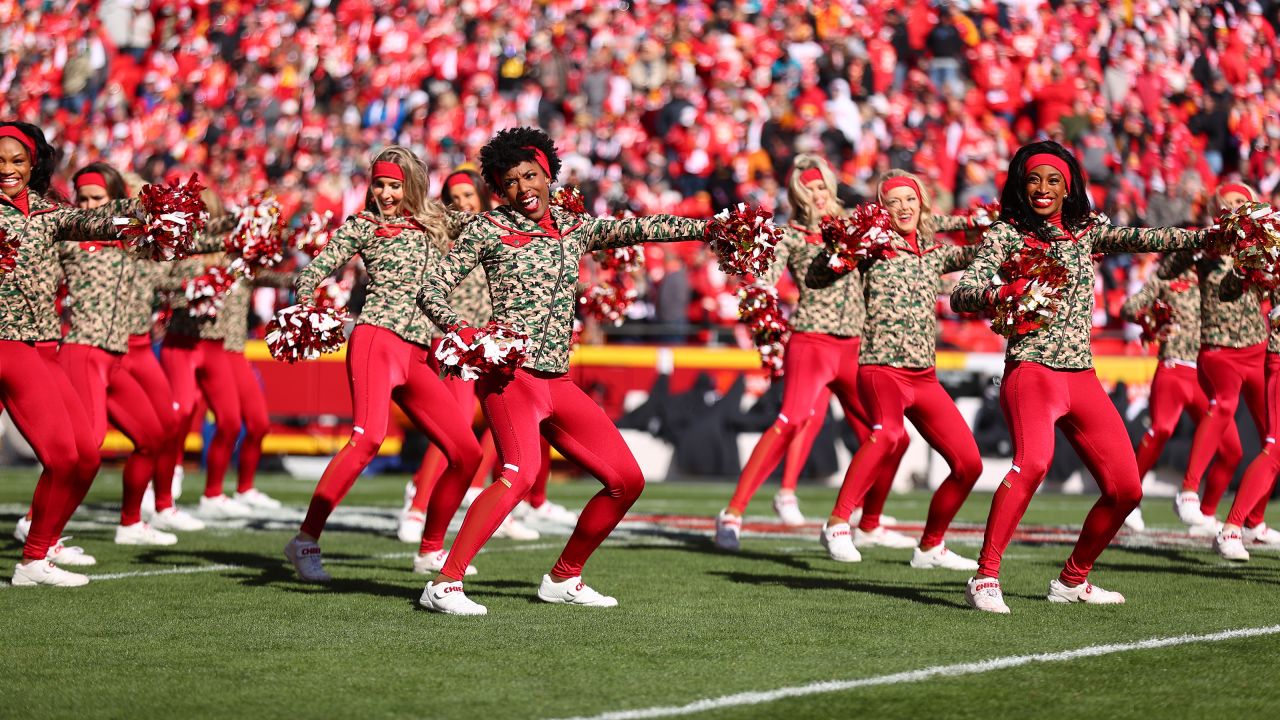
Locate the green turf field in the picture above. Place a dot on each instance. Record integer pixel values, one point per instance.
(235, 636)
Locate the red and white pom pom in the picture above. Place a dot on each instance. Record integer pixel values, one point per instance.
(569, 198)
(208, 292)
(305, 332)
(1031, 310)
(986, 214)
(496, 350)
(773, 358)
(608, 302)
(759, 310)
(258, 240)
(743, 239)
(1157, 322)
(9, 245)
(332, 294)
(866, 233)
(625, 260)
(314, 234)
(1252, 234)
(175, 213)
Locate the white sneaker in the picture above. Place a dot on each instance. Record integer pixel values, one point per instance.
(513, 529)
(886, 520)
(1135, 522)
(553, 513)
(172, 518)
(1208, 526)
(940, 557)
(255, 499)
(410, 526)
(881, 537)
(983, 593)
(141, 533)
(470, 496)
(1086, 592)
(22, 529)
(838, 541)
(572, 592)
(222, 508)
(61, 554)
(1230, 545)
(410, 492)
(449, 599)
(305, 556)
(1187, 505)
(1260, 534)
(788, 509)
(434, 563)
(149, 502)
(179, 473)
(43, 572)
(855, 517)
(728, 532)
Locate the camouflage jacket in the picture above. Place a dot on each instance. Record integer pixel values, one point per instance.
(833, 309)
(149, 277)
(232, 323)
(398, 255)
(532, 275)
(1230, 315)
(28, 293)
(100, 277)
(1064, 342)
(1183, 295)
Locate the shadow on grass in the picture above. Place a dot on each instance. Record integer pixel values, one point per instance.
(702, 544)
(259, 571)
(925, 594)
(1261, 569)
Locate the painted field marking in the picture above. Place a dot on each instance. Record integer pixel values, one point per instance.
(929, 673)
(179, 570)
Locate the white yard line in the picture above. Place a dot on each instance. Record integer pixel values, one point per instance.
(181, 570)
(929, 673)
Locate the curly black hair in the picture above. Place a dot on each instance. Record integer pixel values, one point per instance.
(511, 147)
(1016, 209)
(116, 189)
(43, 163)
(485, 201)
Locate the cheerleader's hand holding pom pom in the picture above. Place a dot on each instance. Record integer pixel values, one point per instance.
(495, 351)
(305, 332)
(743, 239)
(866, 233)
(171, 217)
(1252, 234)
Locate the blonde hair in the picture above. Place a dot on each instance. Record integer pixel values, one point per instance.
(1218, 205)
(417, 203)
(925, 229)
(801, 197)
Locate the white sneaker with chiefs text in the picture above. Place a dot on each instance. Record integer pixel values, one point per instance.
(572, 592)
(448, 598)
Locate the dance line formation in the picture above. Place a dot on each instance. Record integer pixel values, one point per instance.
(472, 302)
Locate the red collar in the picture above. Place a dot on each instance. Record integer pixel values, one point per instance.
(22, 202)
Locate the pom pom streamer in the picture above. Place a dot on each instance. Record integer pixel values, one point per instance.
(173, 216)
(332, 294)
(743, 239)
(8, 252)
(1031, 310)
(569, 198)
(305, 332)
(208, 292)
(1156, 322)
(758, 308)
(866, 233)
(314, 234)
(608, 302)
(258, 240)
(496, 351)
(1252, 235)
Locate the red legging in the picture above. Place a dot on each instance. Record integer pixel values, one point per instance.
(814, 362)
(108, 390)
(874, 499)
(1174, 389)
(194, 365)
(535, 404)
(381, 367)
(253, 415)
(892, 394)
(1250, 506)
(1224, 374)
(143, 365)
(45, 409)
(1035, 398)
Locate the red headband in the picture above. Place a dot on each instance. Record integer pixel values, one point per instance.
(1052, 161)
(1236, 188)
(458, 178)
(90, 178)
(9, 131)
(384, 169)
(540, 158)
(901, 181)
(809, 175)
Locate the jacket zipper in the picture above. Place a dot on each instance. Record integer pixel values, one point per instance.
(555, 291)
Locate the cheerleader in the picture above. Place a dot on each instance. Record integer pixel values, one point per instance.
(401, 235)
(1049, 377)
(33, 388)
(99, 274)
(530, 253)
(1233, 337)
(1174, 389)
(897, 379)
(822, 352)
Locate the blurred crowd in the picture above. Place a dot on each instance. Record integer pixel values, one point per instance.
(682, 107)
